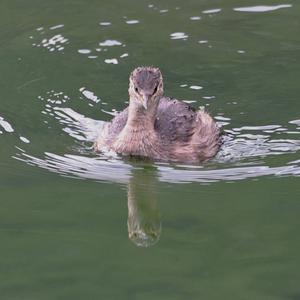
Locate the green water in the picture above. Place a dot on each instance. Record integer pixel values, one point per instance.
(224, 230)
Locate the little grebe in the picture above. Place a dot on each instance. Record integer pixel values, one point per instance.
(157, 127)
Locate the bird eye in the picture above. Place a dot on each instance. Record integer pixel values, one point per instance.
(155, 90)
(136, 90)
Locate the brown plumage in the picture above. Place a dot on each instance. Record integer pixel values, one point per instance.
(158, 127)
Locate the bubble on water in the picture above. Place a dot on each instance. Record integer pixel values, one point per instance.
(162, 11)
(203, 42)
(124, 55)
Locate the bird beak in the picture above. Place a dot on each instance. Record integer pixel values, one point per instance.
(145, 100)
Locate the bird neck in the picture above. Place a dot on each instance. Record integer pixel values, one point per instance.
(139, 117)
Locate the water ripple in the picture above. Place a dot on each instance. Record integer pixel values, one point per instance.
(243, 155)
(262, 8)
(5, 125)
(178, 36)
(53, 43)
(211, 11)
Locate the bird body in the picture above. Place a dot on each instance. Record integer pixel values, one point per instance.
(158, 127)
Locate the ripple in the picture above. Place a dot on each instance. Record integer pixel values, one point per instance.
(89, 95)
(262, 8)
(296, 122)
(221, 118)
(124, 55)
(211, 11)
(178, 36)
(196, 87)
(54, 43)
(189, 101)
(110, 43)
(195, 18)
(113, 169)
(84, 51)
(5, 125)
(24, 140)
(80, 167)
(231, 163)
(105, 23)
(113, 61)
(168, 174)
(258, 128)
(77, 125)
(132, 22)
(57, 26)
(244, 154)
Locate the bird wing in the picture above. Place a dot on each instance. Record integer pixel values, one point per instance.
(175, 120)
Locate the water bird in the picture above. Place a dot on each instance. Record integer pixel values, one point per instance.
(157, 127)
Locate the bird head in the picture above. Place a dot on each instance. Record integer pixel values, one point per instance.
(145, 87)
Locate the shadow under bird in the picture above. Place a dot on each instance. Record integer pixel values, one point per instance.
(158, 127)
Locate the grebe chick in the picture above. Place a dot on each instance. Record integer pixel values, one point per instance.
(157, 127)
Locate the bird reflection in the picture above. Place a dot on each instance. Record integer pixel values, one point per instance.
(144, 222)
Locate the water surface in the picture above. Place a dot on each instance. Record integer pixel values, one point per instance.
(74, 225)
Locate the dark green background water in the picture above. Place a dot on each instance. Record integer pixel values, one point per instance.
(230, 232)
